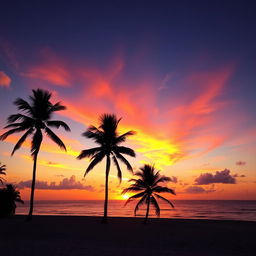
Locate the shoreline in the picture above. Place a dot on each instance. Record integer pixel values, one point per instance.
(129, 218)
(85, 235)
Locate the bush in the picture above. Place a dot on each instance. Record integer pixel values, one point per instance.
(8, 198)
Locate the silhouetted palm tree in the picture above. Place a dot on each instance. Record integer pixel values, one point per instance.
(8, 198)
(108, 139)
(36, 119)
(2, 172)
(148, 186)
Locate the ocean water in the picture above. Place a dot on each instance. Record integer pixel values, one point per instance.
(188, 209)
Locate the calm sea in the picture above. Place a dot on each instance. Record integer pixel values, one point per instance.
(220, 210)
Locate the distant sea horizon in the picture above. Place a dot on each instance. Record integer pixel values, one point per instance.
(244, 210)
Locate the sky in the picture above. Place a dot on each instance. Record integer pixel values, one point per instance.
(179, 73)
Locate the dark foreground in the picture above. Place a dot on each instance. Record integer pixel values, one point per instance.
(57, 235)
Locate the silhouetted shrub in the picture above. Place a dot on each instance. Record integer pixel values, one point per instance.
(8, 198)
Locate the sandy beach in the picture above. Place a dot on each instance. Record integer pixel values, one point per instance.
(65, 235)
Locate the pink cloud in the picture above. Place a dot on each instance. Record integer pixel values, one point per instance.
(51, 69)
(5, 80)
(187, 123)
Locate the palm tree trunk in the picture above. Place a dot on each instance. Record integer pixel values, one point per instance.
(104, 220)
(147, 213)
(29, 217)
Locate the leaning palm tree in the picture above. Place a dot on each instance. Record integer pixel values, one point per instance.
(36, 117)
(148, 187)
(8, 198)
(108, 139)
(2, 172)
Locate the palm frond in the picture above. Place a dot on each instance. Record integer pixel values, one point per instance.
(8, 133)
(164, 199)
(89, 152)
(119, 172)
(19, 200)
(97, 158)
(139, 183)
(55, 138)
(132, 188)
(94, 133)
(2, 180)
(2, 172)
(155, 204)
(162, 179)
(20, 125)
(57, 107)
(2, 168)
(57, 124)
(141, 202)
(16, 117)
(160, 189)
(134, 197)
(122, 159)
(122, 138)
(24, 105)
(124, 150)
(22, 139)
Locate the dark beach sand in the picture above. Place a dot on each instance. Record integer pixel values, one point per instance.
(65, 235)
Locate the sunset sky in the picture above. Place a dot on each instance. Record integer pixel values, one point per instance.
(182, 74)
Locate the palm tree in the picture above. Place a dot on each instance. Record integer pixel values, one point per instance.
(108, 139)
(36, 117)
(8, 198)
(2, 172)
(148, 186)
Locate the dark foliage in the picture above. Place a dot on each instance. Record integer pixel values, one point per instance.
(8, 198)
(108, 139)
(147, 186)
(34, 120)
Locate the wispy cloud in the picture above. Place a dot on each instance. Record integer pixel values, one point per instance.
(50, 69)
(197, 190)
(168, 129)
(65, 184)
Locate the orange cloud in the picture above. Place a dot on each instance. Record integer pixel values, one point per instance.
(168, 129)
(140, 107)
(5, 80)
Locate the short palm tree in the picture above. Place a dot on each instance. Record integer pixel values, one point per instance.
(148, 187)
(2, 172)
(8, 198)
(108, 139)
(36, 117)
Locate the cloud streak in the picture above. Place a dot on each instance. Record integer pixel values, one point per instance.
(65, 184)
(167, 128)
(197, 190)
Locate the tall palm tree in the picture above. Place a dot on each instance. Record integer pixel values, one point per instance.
(148, 187)
(2, 172)
(8, 198)
(108, 139)
(36, 117)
